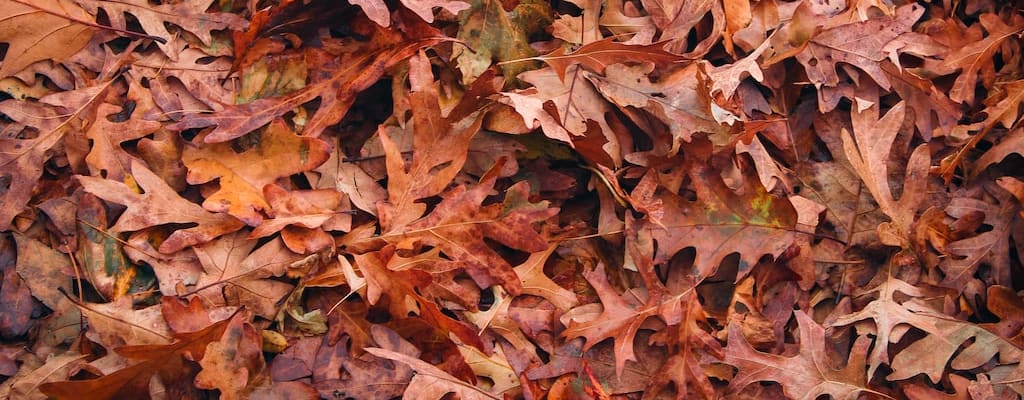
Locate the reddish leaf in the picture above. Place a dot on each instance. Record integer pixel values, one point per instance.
(336, 90)
(160, 205)
(596, 56)
(133, 381)
(809, 374)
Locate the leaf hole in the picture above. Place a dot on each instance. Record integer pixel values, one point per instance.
(205, 60)
(378, 315)
(123, 115)
(486, 299)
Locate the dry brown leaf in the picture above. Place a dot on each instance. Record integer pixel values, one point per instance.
(189, 15)
(430, 382)
(41, 30)
(236, 272)
(807, 375)
(868, 151)
(158, 206)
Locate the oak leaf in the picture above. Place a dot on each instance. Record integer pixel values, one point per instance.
(991, 247)
(979, 56)
(722, 222)
(859, 44)
(106, 157)
(337, 372)
(190, 15)
(158, 206)
(341, 175)
(299, 215)
(890, 317)
(868, 151)
(181, 267)
(41, 30)
(961, 345)
(236, 272)
(569, 111)
(934, 113)
(46, 271)
(402, 290)
(100, 252)
(192, 82)
(274, 153)
(460, 224)
(22, 155)
(597, 56)
(495, 35)
(676, 20)
(117, 324)
(431, 382)
(26, 384)
(621, 317)
(133, 381)
(495, 367)
(440, 146)
(233, 363)
(679, 99)
(536, 283)
(807, 375)
(336, 85)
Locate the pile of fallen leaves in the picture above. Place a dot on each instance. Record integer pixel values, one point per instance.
(483, 199)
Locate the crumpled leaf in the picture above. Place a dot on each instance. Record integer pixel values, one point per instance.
(158, 206)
